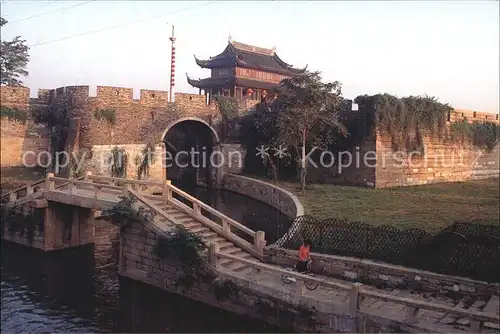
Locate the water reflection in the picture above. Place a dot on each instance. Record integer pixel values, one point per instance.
(79, 290)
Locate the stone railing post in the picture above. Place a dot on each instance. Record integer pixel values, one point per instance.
(411, 314)
(167, 191)
(49, 183)
(12, 197)
(259, 241)
(354, 299)
(213, 249)
(196, 209)
(88, 176)
(225, 226)
(29, 190)
(126, 188)
(72, 187)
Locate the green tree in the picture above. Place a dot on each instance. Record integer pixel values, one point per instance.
(14, 58)
(307, 116)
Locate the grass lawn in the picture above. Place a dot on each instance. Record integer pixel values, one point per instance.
(429, 207)
(15, 177)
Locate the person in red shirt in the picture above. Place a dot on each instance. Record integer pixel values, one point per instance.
(304, 256)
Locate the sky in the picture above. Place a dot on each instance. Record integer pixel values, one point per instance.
(447, 49)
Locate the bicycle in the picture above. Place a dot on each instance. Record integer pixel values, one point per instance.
(290, 279)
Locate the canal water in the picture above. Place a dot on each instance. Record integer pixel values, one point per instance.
(80, 291)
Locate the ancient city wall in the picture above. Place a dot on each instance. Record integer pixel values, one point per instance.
(137, 121)
(441, 162)
(100, 162)
(17, 137)
(372, 162)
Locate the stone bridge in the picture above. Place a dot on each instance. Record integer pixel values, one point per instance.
(238, 255)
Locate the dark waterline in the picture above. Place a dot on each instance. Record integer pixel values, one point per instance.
(79, 290)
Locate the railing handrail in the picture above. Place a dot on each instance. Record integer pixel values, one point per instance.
(212, 210)
(234, 238)
(86, 183)
(473, 315)
(153, 207)
(129, 181)
(34, 184)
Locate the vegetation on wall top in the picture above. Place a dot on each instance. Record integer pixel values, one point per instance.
(14, 114)
(406, 120)
(483, 135)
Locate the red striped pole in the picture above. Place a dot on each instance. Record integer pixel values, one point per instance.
(172, 64)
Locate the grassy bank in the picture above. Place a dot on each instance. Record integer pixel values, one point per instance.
(429, 207)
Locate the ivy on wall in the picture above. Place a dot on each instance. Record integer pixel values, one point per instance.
(119, 162)
(406, 120)
(145, 160)
(188, 251)
(14, 114)
(483, 135)
(108, 115)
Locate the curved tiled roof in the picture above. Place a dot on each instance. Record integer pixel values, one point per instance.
(249, 56)
(221, 82)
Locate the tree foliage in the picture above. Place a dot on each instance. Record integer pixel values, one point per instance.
(307, 116)
(13, 114)
(14, 58)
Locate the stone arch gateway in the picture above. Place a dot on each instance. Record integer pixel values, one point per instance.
(191, 150)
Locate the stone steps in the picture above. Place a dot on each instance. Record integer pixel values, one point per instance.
(196, 227)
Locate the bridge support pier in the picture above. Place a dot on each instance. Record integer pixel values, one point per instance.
(67, 226)
(52, 226)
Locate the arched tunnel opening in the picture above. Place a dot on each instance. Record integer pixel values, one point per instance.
(189, 146)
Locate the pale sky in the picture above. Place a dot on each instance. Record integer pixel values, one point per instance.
(445, 49)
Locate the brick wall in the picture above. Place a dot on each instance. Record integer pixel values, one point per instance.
(101, 154)
(441, 162)
(374, 164)
(18, 139)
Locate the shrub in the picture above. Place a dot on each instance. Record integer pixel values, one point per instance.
(188, 251)
(13, 114)
(107, 115)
